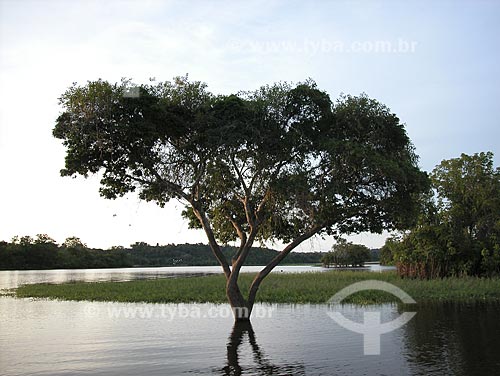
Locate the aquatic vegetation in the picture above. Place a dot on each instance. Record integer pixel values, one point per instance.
(278, 288)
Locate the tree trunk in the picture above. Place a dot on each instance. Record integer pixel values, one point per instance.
(242, 309)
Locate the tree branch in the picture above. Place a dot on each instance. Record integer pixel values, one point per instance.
(277, 259)
(243, 239)
(211, 240)
(233, 278)
(258, 212)
(248, 212)
(240, 177)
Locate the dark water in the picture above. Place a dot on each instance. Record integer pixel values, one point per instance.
(454, 339)
(82, 338)
(42, 337)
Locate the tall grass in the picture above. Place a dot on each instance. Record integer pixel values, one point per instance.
(276, 288)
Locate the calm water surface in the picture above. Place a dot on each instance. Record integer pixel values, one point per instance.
(11, 279)
(42, 337)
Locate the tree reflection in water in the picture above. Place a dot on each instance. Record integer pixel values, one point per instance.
(454, 339)
(263, 366)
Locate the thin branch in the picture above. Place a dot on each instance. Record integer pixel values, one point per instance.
(258, 212)
(240, 177)
(199, 214)
(243, 239)
(248, 212)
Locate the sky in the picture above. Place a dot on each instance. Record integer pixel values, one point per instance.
(435, 64)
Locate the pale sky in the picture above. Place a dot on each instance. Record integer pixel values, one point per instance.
(434, 63)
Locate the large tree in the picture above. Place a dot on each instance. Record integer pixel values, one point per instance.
(280, 163)
(468, 192)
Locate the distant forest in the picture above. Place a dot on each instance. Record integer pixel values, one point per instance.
(42, 252)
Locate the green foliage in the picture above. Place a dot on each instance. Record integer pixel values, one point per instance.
(74, 254)
(74, 242)
(44, 239)
(347, 254)
(389, 250)
(375, 255)
(44, 253)
(299, 288)
(458, 233)
(283, 160)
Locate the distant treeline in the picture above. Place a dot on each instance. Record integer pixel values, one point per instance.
(42, 252)
(201, 254)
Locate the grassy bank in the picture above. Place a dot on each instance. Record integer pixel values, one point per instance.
(277, 288)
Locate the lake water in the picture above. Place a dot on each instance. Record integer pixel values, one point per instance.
(11, 279)
(42, 337)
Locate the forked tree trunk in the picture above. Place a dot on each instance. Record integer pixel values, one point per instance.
(242, 308)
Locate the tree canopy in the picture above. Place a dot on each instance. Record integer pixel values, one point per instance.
(283, 162)
(458, 233)
(346, 254)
